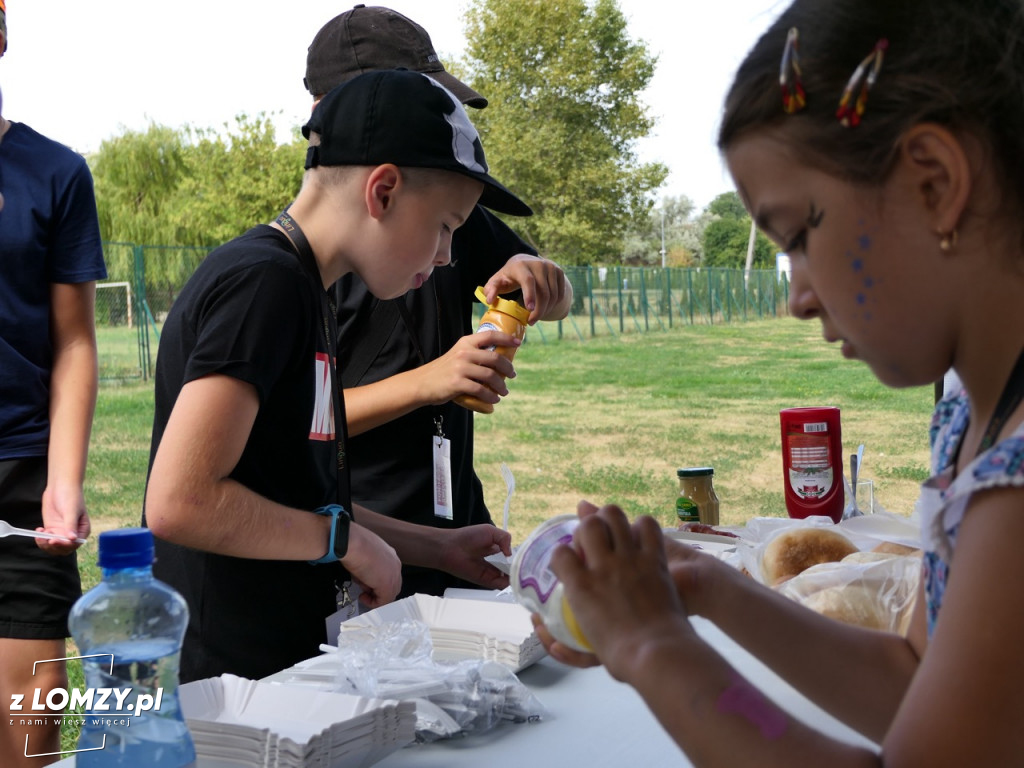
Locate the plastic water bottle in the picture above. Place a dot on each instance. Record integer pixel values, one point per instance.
(132, 625)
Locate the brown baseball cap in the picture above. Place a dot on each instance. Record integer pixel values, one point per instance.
(372, 38)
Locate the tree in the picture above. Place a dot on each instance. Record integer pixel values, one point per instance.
(194, 186)
(728, 206)
(137, 176)
(670, 218)
(190, 187)
(236, 178)
(563, 80)
(727, 235)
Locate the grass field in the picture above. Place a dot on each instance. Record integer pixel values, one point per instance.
(611, 419)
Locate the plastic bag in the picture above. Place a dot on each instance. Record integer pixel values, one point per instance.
(864, 531)
(868, 589)
(393, 661)
(762, 530)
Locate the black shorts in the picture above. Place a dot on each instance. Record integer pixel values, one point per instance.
(37, 590)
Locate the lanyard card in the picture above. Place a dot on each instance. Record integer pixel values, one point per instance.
(442, 477)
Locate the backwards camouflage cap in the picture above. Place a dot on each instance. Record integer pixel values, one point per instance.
(3, 23)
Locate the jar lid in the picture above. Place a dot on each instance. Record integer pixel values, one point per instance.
(695, 472)
(506, 306)
(126, 548)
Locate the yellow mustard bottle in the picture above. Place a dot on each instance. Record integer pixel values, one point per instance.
(508, 317)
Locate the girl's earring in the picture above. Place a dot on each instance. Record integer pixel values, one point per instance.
(947, 241)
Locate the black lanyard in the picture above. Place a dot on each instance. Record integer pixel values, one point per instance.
(1010, 398)
(329, 325)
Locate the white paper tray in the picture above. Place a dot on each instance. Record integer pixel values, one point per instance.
(465, 628)
(238, 721)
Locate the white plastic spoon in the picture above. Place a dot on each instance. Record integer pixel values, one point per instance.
(6, 529)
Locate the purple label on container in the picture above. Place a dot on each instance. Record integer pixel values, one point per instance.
(534, 570)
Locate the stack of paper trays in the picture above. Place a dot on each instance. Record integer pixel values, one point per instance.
(234, 721)
(465, 629)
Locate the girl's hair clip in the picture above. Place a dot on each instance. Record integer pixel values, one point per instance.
(793, 97)
(851, 111)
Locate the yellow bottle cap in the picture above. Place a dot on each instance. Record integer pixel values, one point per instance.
(507, 306)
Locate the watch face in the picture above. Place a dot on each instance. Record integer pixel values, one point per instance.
(341, 522)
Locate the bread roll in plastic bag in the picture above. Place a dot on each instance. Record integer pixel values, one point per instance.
(877, 593)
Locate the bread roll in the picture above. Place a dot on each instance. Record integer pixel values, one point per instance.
(794, 550)
(866, 557)
(853, 603)
(892, 548)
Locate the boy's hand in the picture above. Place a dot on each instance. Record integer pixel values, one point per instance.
(546, 292)
(374, 565)
(63, 514)
(471, 367)
(464, 550)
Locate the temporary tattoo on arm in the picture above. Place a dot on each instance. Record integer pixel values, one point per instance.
(743, 699)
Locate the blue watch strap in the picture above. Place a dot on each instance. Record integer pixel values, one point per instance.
(337, 545)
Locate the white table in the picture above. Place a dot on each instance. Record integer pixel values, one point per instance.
(597, 722)
(600, 723)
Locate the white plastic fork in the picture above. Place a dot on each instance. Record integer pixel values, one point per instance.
(6, 529)
(510, 487)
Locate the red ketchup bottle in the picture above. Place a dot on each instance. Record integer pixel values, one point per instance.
(812, 462)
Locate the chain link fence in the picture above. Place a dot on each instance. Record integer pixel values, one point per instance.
(143, 282)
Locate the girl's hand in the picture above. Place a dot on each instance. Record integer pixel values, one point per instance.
(617, 583)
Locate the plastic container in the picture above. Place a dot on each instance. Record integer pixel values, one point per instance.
(812, 462)
(537, 587)
(503, 315)
(136, 624)
(697, 501)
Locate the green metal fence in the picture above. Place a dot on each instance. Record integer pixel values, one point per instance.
(143, 281)
(613, 301)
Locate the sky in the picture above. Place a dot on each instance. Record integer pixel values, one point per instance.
(82, 72)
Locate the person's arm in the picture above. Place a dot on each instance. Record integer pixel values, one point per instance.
(618, 586)
(801, 645)
(961, 707)
(73, 387)
(470, 367)
(795, 642)
(192, 501)
(457, 551)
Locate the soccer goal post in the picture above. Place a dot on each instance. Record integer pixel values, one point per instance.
(114, 304)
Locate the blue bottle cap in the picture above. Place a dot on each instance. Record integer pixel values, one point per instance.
(126, 548)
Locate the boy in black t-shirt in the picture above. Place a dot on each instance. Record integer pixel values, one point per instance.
(403, 362)
(247, 491)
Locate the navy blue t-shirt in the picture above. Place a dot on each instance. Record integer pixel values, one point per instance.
(49, 233)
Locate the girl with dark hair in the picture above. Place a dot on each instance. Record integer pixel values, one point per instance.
(881, 145)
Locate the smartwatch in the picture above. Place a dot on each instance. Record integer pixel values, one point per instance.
(338, 544)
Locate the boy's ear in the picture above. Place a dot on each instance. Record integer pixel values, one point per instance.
(940, 171)
(380, 189)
